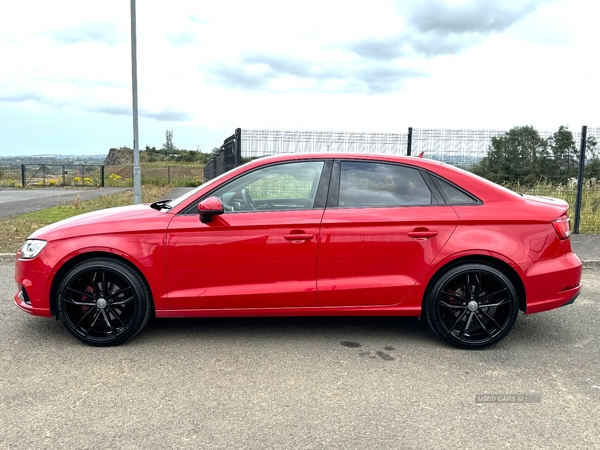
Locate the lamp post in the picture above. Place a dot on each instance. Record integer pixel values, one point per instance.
(137, 185)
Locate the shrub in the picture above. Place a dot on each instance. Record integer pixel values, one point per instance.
(114, 179)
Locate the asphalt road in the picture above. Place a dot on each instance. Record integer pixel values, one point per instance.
(310, 383)
(19, 201)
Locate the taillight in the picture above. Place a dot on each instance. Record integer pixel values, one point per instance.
(562, 226)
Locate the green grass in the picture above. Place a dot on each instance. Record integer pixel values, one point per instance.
(14, 230)
(590, 202)
(157, 174)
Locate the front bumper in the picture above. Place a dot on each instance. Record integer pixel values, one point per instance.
(33, 279)
(22, 301)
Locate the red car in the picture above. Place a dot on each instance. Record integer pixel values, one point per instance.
(311, 234)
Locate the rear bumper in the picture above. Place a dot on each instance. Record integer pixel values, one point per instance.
(572, 300)
(553, 283)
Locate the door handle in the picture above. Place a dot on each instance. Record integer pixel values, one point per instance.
(422, 234)
(297, 238)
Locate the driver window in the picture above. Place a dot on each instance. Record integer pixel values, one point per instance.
(279, 187)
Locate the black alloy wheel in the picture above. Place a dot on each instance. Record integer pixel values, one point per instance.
(472, 306)
(103, 302)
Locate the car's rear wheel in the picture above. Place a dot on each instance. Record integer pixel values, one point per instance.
(472, 306)
(103, 302)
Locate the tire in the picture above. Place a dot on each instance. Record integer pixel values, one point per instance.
(472, 306)
(103, 302)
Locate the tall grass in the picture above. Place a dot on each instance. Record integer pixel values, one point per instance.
(156, 174)
(590, 201)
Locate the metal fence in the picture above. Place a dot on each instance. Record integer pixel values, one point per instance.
(48, 175)
(94, 176)
(256, 143)
(228, 157)
(463, 148)
(10, 176)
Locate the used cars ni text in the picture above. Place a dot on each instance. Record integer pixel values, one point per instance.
(307, 235)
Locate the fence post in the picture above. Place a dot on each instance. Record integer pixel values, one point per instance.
(64, 176)
(102, 176)
(580, 177)
(409, 142)
(23, 176)
(238, 147)
(169, 175)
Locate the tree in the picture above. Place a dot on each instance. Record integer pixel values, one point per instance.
(565, 158)
(520, 155)
(168, 147)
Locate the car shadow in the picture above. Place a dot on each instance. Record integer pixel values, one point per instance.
(530, 333)
(347, 329)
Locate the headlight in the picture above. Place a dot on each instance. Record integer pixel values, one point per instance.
(31, 248)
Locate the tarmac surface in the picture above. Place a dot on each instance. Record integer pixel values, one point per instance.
(20, 201)
(302, 382)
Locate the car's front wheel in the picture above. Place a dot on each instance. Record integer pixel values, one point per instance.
(472, 306)
(103, 302)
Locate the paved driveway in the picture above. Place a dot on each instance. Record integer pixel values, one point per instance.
(301, 383)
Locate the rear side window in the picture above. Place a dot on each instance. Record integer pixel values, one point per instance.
(373, 184)
(453, 195)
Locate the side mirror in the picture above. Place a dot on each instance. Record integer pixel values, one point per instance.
(208, 208)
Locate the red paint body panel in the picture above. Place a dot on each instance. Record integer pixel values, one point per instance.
(133, 233)
(246, 260)
(321, 261)
(367, 258)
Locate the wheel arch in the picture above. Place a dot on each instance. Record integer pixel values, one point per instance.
(502, 266)
(72, 262)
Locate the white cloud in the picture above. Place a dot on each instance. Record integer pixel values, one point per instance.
(205, 68)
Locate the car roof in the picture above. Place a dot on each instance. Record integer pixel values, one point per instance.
(425, 163)
(345, 155)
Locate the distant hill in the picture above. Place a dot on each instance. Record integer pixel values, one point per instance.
(115, 156)
(51, 159)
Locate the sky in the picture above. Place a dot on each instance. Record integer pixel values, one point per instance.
(206, 68)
